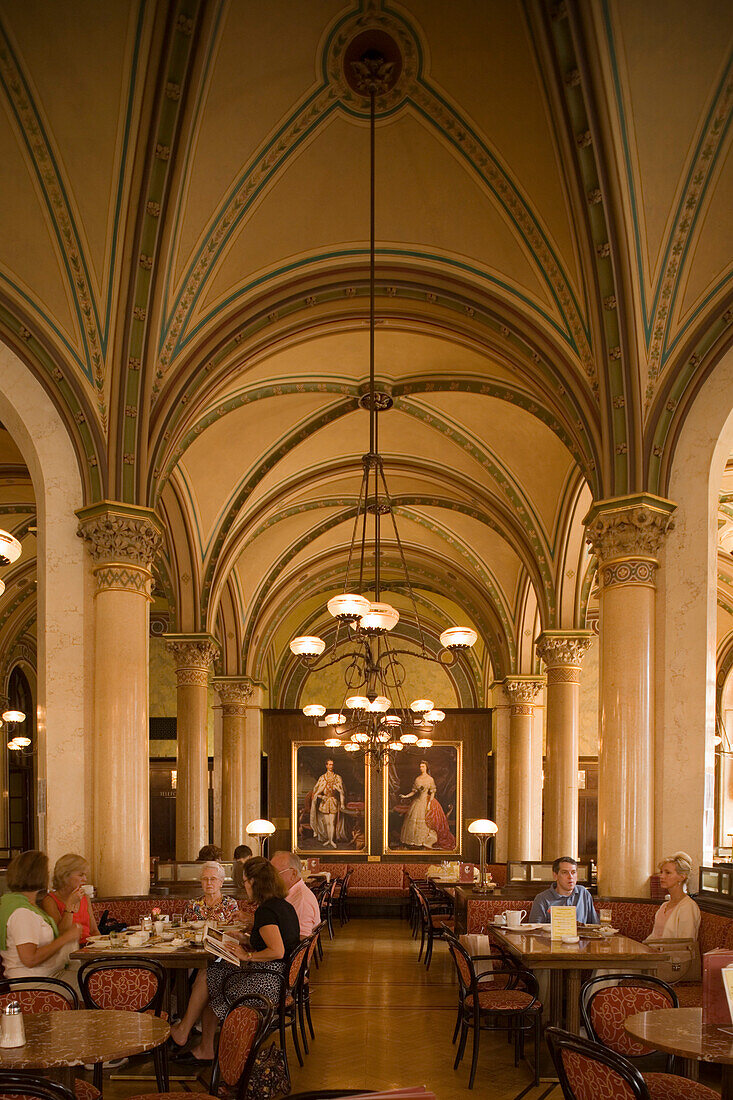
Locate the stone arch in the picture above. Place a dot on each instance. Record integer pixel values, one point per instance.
(686, 623)
(64, 609)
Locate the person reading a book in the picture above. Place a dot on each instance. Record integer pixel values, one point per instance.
(275, 933)
(677, 918)
(213, 905)
(303, 900)
(564, 891)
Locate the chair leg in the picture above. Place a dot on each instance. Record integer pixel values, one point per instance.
(160, 1061)
(97, 1079)
(301, 1019)
(329, 921)
(429, 952)
(462, 1044)
(294, 1031)
(536, 1049)
(459, 1016)
(474, 1052)
(308, 1016)
(283, 1044)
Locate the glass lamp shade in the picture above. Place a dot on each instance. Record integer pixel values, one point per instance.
(314, 710)
(350, 746)
(396, 746)
(357, 702)
(10, 548)
(332, 743)
(13, 716)
(348, 606)
(14, 746)
(483, 827)
(383, 737)
(2, 587)
(408, 738)
(360, 738)
(392, 720)
(24, 742)
(435, 716)
(335, 719)
(307, 646)
(421, 706)
(380, 618)
(424, 743)
(260, 827)
(379, 705)
(458, 637)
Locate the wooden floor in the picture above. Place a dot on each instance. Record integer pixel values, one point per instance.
(382, 1020)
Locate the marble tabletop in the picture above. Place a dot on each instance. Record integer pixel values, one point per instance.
(682, 1031)
(85, 1035)
(537, 949)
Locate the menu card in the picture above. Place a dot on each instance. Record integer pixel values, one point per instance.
(715, 1004)
(563, 921)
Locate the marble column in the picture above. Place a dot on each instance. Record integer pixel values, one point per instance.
(234, 692)
(525, 774)
(562, 651)
(194, 655)
(500, 707)
(123, 542)
(626, 534)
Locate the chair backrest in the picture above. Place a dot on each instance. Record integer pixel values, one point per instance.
(38, 994)
(313, 940)
(296, 960)
(18, 1086)
(589, 1071)
(130, 984)
(604, 1008)
(242, 1031)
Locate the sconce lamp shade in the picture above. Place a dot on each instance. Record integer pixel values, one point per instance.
(458, 637)
(307, 646)
(348, 606)
(314, 710)
(10, 548)
(13, 716)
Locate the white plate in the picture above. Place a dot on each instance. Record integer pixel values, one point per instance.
(97, 939)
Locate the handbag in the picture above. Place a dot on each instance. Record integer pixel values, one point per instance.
(684, 960)
(269, 1077)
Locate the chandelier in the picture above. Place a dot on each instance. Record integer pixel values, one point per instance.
(375, 718)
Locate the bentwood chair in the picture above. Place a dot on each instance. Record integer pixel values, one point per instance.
(604, 1008)
(587, 1069)
(20, 1086)
(503, 1000)
(304, 992)
(343, 898)
(242, 1033)
(434, 925)
(128, 984)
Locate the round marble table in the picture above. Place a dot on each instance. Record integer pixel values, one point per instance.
(66, 1039)
(681, 1031)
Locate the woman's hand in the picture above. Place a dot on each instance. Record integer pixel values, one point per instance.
(242, 953)
(73, 902)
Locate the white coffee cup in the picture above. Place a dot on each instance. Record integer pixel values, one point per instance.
(514, 917)
(88, 889)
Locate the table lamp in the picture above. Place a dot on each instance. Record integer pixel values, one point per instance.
(261, 828)
(483, 829)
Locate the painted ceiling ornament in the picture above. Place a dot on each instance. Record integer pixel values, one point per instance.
(392, 67)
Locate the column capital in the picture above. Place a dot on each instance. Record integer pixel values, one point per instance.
(522, 692)
(123, 541)
(194, 654)
(234, 692)
(629, 527)
(563, 652)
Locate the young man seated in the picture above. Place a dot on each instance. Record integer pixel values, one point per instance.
(564, 891)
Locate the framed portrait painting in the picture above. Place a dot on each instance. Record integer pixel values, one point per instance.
(422, 801)
(330, 808)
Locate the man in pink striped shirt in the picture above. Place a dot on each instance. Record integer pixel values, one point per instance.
(303, 900)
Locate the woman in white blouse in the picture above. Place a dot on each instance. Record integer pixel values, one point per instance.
(678, 918)
(31, 943)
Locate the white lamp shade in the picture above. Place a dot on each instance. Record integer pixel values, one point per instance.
(483, 827)
(421, 706)
(357, 702)
(2, 587)
(10, 548)
(424, 743)
(22, 741)
(260, 827)
(435, 716)
(307, 646)
(380, 618)
(351, 747)
(379, 705)
(396, 746)
(332, 743)
(14, 745)
(13, 716)
(392, 720)
(335, 719)
(348, 606)
(408, 738)
(314, 710)
(458, 637)
(360, 738)
(383, 737)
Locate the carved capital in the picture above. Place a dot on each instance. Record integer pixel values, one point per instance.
(194, 655)
(522, 692)
(563, 651)
(234, 693)
(629, 527)
(120, 534)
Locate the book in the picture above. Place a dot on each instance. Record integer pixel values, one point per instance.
(220, 944)
(563, 921)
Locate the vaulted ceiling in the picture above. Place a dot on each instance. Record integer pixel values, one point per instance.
(183, 263)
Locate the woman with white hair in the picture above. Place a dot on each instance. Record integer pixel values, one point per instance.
(678, 918)
(213, 906)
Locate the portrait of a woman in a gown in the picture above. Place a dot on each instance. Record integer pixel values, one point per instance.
(425, 824)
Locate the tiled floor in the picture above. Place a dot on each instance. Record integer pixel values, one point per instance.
(382, 1020)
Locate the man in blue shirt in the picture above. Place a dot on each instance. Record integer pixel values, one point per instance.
(564, 892)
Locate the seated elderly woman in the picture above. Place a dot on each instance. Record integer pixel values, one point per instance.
(32, 945)
(677, 919)
(213, 905)
(68, 895)
(275, 934)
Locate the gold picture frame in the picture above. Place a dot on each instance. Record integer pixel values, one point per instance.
(351, 825)
(407, 816)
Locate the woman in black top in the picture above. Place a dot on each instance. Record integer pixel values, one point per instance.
(276, 931)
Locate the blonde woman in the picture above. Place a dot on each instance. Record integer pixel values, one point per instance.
(32, 945)
(68, 896)
(678, 919)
